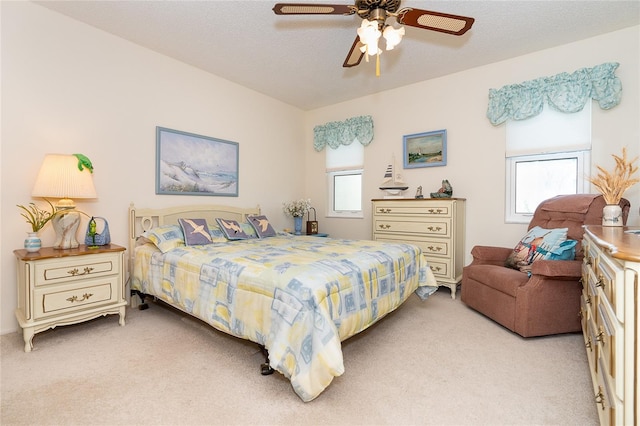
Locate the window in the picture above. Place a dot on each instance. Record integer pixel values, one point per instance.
(344, 180)
(532, 179)
(546, 155)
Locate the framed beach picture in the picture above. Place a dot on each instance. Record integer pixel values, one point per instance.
(189, 164)
(428, 149)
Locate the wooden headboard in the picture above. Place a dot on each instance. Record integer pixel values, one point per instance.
(141, 220)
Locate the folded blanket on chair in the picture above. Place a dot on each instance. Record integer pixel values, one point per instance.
(570, 203)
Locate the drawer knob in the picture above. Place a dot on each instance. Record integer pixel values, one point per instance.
(600, 282)
(85, 296)
(384, 210)
(384, 226)
(600, 398)
(600, 337)
(76, 272)
(588, 344)
(436, 268)
(435, 211)
(434, 228)
(432, 248)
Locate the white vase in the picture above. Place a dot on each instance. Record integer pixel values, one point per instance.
(32, 243)
(612, 215)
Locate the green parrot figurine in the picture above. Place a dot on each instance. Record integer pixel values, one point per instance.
(84, 161)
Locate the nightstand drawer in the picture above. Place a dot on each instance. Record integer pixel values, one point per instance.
(76, 268)
(61, 299)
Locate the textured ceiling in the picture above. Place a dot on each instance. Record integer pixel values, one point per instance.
(298, 59)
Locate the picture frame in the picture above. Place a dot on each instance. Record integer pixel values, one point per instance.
(428, 149)
(191, 164)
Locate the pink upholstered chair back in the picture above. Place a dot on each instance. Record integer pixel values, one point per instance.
(573, 211)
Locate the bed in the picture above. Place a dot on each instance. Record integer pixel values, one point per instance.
(297, 296)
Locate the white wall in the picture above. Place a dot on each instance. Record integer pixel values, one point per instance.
(68, 87)
(475, 164)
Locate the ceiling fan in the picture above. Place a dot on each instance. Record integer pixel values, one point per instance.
(374, 14)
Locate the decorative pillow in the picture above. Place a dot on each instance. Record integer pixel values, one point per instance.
(566, 251)
(535, 246)
(165, 237)
(248, 229)
(217, 236)
(196, 231)
(262, 226)
(232, 229)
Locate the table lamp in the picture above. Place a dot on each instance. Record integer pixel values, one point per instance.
(65, 176)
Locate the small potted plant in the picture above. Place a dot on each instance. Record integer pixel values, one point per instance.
(613, 185)
(37, 218)
(297, 209)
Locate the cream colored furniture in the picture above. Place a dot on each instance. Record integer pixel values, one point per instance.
(436, 225)
(609, 312)
(61, 287)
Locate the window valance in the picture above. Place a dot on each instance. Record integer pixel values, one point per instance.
(338, 133)
(563, 92)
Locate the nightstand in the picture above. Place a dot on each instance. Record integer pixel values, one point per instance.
(62, 287)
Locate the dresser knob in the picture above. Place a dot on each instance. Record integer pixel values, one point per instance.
(85, 296)
(600, 398)
(73, 272)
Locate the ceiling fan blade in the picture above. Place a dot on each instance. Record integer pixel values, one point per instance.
(435, 21)
(355, 54)
(313, 9)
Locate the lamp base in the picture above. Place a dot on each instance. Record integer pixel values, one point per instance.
(66, 223)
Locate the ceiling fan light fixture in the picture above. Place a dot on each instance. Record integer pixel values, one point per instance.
(393, 36)
(369, 35)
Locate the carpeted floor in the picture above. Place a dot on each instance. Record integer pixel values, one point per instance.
(429, 363)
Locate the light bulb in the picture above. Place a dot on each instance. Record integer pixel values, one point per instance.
(393, 36)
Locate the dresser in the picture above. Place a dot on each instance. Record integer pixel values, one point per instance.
(61, 287)
(609, 314)
(436, 225)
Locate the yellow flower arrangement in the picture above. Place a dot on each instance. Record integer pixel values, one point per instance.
(612, 185)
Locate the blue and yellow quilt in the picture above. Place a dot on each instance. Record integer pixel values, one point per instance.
(299, 296)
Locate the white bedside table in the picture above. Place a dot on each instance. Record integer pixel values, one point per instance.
(62, 287)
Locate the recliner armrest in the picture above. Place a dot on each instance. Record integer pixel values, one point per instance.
(490, 255)
(558, 269)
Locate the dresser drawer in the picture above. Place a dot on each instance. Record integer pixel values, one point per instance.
(608, 274)
(66, 298)
(610, 408)
(441, 228)
(418, 208)
(76, 268)
(429, 246)
(440, 267)
(610, 344)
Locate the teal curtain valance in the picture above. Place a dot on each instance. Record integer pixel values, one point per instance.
(563, 92)
(338, 133)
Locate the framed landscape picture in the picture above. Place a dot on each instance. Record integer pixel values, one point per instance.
(428, 149)
(189, 164)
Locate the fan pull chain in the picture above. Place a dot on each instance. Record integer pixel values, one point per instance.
(378, 65)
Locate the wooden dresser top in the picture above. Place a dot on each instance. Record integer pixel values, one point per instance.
(622, 242)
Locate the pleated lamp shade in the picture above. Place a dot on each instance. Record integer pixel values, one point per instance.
(61, 177)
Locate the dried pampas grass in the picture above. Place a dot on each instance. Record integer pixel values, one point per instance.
(613, 185)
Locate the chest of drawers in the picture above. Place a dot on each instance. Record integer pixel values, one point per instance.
(61, 287)
(609, 314)
(436, 225)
